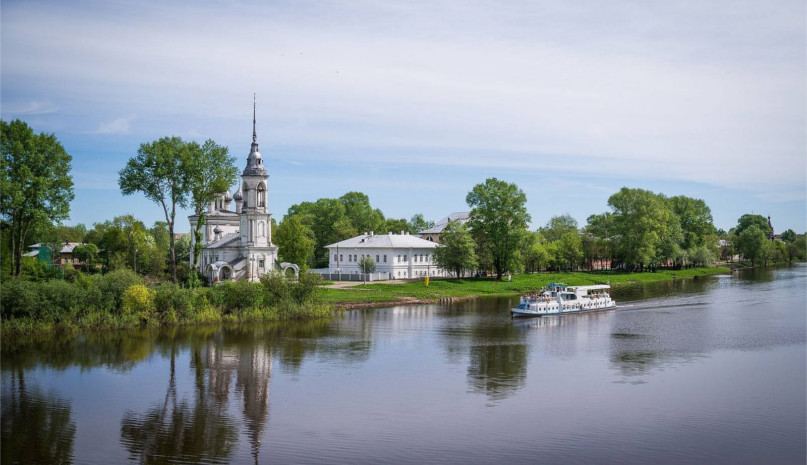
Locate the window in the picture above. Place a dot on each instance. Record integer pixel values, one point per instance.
(404, 257)
(334, 257)
(376, 259)
(261, 263)
(341, 258)
(385, 259)
(399, 258)
(350, 258)
(261, 196)
(355, 258)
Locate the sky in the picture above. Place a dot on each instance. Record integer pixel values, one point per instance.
(414, 103)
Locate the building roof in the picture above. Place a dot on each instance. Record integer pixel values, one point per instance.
(67, 247)
(385, 241)
(228, 240)
(461, 217)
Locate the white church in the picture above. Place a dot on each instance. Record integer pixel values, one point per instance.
(238, 244)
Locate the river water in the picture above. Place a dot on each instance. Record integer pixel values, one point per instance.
(692, 371)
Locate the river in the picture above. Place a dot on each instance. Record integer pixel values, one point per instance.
(693, 371)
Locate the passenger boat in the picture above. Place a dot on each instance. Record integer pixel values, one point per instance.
(560, 299)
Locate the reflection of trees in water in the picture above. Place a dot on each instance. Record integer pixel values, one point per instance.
(36, 427)
(496, 349)
(498, 368)
(177, 429)
(117, 350)
(635, 357)
(222, 359)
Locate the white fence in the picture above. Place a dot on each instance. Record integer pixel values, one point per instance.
(326, 274)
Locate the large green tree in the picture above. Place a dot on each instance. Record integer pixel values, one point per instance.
(557, 226)
(210, 170)
(456, 250)
(35, 182)
(640, 223)
(363, 217)
(159, 172)
(295, 241)
(499, 218)
(751, 242)
(748, 220)
(328, 220)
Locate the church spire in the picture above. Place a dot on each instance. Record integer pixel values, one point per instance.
(254, 134)
(254, 161)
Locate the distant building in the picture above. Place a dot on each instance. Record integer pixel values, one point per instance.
(401, 255)
(238, 244)
(433, 234)
(61, 257)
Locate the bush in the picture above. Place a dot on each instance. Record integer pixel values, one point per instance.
(60, 300)
(138, 299)
(19, 298)
(240, 296)
(115, 284)
(277, 288)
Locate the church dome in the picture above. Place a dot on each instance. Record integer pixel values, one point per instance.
(238, 196)
(227, 196)
(218, 230)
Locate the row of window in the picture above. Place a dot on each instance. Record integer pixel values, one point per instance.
(399, 259)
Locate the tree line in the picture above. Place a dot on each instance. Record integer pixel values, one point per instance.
(641, 229)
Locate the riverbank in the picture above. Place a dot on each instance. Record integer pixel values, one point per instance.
(416, 292)
(120, 300)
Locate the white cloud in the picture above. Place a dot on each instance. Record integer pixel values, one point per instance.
(116, 126)
(706, 92)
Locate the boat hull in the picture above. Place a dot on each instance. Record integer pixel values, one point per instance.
(518, 312)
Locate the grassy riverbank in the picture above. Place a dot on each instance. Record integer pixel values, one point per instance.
(371, 295)
(122, 300)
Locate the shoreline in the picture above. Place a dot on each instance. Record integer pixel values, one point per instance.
(359, 302)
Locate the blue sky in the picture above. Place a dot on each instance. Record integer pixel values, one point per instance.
(413, 103)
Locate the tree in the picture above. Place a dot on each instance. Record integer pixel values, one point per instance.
(499, 217)
(789, 236)
(534, 251)
(571, 248)
(748, 220)
(86, 253)
(327, 219)
(35, 182)
(396, 225)
(210, 170)
(456, 250)
(417, 223)
(296, 241)
(751, 243)
(640, 222)
(159, 171)
(557, 226)
(362, 216)
(367, 264)
(694, 218)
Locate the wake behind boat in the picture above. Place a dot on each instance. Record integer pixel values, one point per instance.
(560, 299)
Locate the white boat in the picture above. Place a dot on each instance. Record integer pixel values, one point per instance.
(560, 299)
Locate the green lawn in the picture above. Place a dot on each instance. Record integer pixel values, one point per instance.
(475, 287)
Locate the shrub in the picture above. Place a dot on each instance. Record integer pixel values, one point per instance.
(60, 300)
(19, 298)
(240, 295)
(138, 299)
(306, 289)
(115, 284)
(277, 288)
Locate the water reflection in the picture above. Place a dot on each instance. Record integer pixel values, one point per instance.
(36, 426)
(197, 430)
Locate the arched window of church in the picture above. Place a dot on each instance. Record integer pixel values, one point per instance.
(261, 195)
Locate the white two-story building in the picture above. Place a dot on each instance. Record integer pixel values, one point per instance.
(402, 255)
